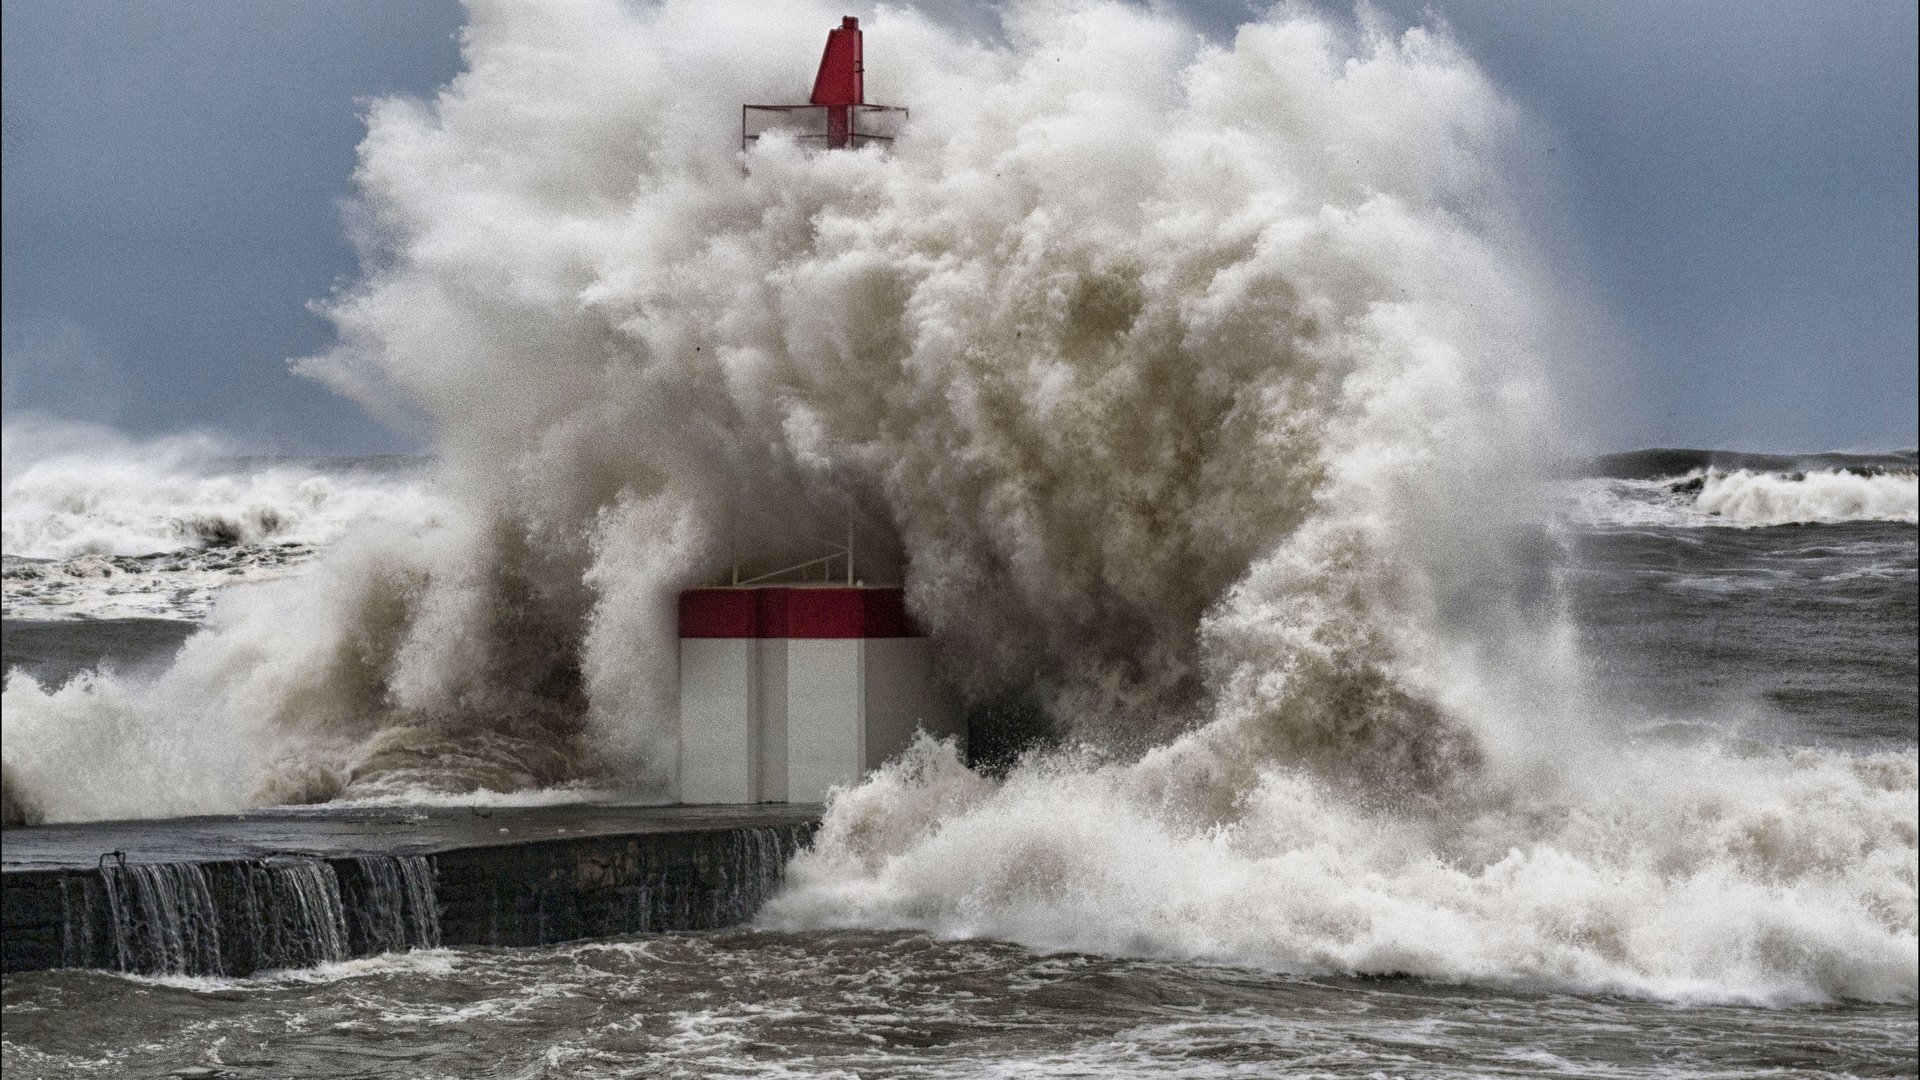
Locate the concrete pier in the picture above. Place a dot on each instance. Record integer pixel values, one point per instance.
(235, 894)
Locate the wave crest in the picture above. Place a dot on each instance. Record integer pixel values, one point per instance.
(1695, 875)
(73, 493)
(1707, 498)
(1750, 498)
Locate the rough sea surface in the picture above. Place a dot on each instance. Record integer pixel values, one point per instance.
(1212, 419)
(1699, 629)
(863, 1004)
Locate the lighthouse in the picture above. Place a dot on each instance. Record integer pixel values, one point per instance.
(837, 115)
(787, 691)
(788, 688)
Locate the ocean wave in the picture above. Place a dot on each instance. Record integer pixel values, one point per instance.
(1694, 875)
(179, 585)
(98, 526)
(1670, 463)
(1800, 498)
(1745, 499)
(71, 494)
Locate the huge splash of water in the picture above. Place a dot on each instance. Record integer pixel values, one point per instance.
(1187, 386)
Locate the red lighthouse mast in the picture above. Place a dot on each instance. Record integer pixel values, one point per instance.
(837, 115)
(841, 83)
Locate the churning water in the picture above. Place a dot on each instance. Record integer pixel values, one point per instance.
(1206, 415)
(874, 1004)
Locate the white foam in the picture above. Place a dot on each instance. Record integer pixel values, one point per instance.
(1689, 875)
(181, 586)
(1744, 499)
(121, 497)
(420, 795)
(1610, 501)
(432, 963)
(1759, 498)
(98, 526)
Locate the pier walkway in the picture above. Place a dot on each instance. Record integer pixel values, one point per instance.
(286, 887)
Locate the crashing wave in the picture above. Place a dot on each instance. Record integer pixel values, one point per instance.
(1743, 498)
(99, 527)
(77, 493)
(1186, 405)
(1818, 497)
(178, 585)
(1690, 875)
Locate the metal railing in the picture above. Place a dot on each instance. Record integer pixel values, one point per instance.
(835, 553)
(817, 133)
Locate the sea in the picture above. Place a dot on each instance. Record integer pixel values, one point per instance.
(1764, 603)
(1211, 397)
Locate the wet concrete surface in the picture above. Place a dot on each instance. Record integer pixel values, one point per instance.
(87, 895)
(339, 832)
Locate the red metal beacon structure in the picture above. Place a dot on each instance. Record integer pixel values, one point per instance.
(838, 115)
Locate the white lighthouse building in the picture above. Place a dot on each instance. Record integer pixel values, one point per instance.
(789, 690)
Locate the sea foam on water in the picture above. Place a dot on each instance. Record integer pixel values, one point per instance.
(1190, 388)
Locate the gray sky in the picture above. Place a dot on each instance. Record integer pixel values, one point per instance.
(173, 171)
(1736, 183)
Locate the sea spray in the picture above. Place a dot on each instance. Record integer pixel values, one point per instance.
(1190, 388)
(1075, 357)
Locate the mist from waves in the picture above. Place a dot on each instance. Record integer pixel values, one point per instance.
(1193, 408)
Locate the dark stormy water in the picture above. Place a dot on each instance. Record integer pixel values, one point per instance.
(870, 1004)
(1703, 617)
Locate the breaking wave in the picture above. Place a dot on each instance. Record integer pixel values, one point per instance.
(74, 491)
(1799, 498)
(1186, 405)
(1694, 488)
(98, 526)
(1746, 499)
(1701, 875)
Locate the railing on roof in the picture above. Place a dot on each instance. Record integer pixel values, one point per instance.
(808, 124)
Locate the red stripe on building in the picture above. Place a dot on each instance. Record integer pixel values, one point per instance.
(718, 613)
(886, 614)
(781, 612)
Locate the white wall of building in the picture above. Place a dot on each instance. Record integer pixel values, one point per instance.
(719, 727)
(772, 704)
(778, 720)
(826, 724)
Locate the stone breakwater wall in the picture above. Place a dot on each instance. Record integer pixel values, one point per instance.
(552, 891)
(536, 884)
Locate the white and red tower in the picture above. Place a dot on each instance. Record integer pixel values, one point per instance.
(789, 690)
